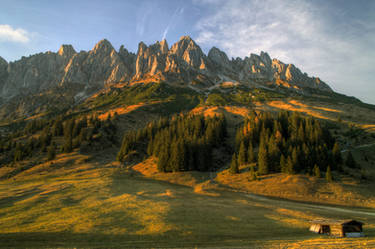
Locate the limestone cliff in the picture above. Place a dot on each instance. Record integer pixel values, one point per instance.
(184, 63)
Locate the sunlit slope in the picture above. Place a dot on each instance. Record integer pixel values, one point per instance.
(91, 202)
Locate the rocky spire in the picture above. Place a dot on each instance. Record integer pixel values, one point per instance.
(66, 50)
(3, 72)
(183, 62)
(189, 51)
(103, 46)
(164, 46)
(219, 58)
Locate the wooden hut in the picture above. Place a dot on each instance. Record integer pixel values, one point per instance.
(338, 228)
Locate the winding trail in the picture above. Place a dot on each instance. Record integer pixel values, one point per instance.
(296, 204)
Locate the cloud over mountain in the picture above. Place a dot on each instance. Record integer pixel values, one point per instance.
(10, 34)
(314, 35)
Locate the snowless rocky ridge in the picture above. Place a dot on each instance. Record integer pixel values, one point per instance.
(184, 63)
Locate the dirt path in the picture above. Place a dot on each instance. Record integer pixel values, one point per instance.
(295, 204)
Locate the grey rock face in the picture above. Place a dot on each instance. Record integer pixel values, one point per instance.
(99, 66)
(66, 51)
(183, 62)
(34, 73)
(187, 50)
(219, 58)
(150, 60)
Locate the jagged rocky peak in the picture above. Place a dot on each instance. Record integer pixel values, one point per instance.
(127, 57)
(292, 73)
(99, 66)
(66, 50)
(164, 46)
(179, 47)
(182, 62)
(219, 57)
(265, 58)
(185, 44)
(190, 52)
(158, 48)
(3, 67)
(3, 61)
(3, 72)
(103, 46)
(151, 59)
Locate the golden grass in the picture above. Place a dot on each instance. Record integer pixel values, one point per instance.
(123, 110)
(289, 106)
(148, 168)
(146, 79)
(368, 127)
(96, 203)
(211, 111)
(205, 187)
(298, 187)
(350, 114)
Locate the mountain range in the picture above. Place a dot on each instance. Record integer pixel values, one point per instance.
(182, 64)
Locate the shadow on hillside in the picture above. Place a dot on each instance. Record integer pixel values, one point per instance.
(94, 240)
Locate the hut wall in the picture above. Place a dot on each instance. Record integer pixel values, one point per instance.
(336, 230)
(315, 228)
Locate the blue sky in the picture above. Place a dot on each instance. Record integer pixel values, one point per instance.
(333, 40)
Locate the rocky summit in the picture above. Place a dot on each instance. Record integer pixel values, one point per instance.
(184, 63)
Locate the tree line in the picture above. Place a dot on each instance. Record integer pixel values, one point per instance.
(181, 143)
(288, 143)
(38, 136)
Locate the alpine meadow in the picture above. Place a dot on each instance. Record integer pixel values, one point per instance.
(182, 146)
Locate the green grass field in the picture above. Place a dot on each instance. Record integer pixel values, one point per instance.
(92, 203)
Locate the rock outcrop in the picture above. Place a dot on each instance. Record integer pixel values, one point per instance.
(99, 66)
(3, 72)
(184, 63)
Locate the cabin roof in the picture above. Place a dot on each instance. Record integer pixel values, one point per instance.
(335, 222)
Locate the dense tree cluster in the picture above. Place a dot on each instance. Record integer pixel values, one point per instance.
(38, 136)
(288, 142)
(181, 143)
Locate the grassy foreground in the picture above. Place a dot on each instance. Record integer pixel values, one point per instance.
(77, 201)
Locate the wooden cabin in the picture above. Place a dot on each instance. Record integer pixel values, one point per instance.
(338, 228)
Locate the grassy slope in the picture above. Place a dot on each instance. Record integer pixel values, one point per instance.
(83, 202)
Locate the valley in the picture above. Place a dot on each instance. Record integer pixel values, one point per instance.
(80, 202)
(172, 148)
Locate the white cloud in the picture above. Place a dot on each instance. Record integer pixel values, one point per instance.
(177, 12)
(8, 33)
(294, 31)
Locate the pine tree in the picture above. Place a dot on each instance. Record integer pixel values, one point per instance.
(350, 162)
(329, 174)
(250, 154)
(283, 165)
(336, 154)
(263, 166)
(163, 161)
(233, 169)
(289, 166)
(18, 153)
(68, 128)
(295, 159)
(51, 153)
(252, 175)
(242, 154)
(68, 145)
(57, 128)
(316, 171)
(274, 155)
